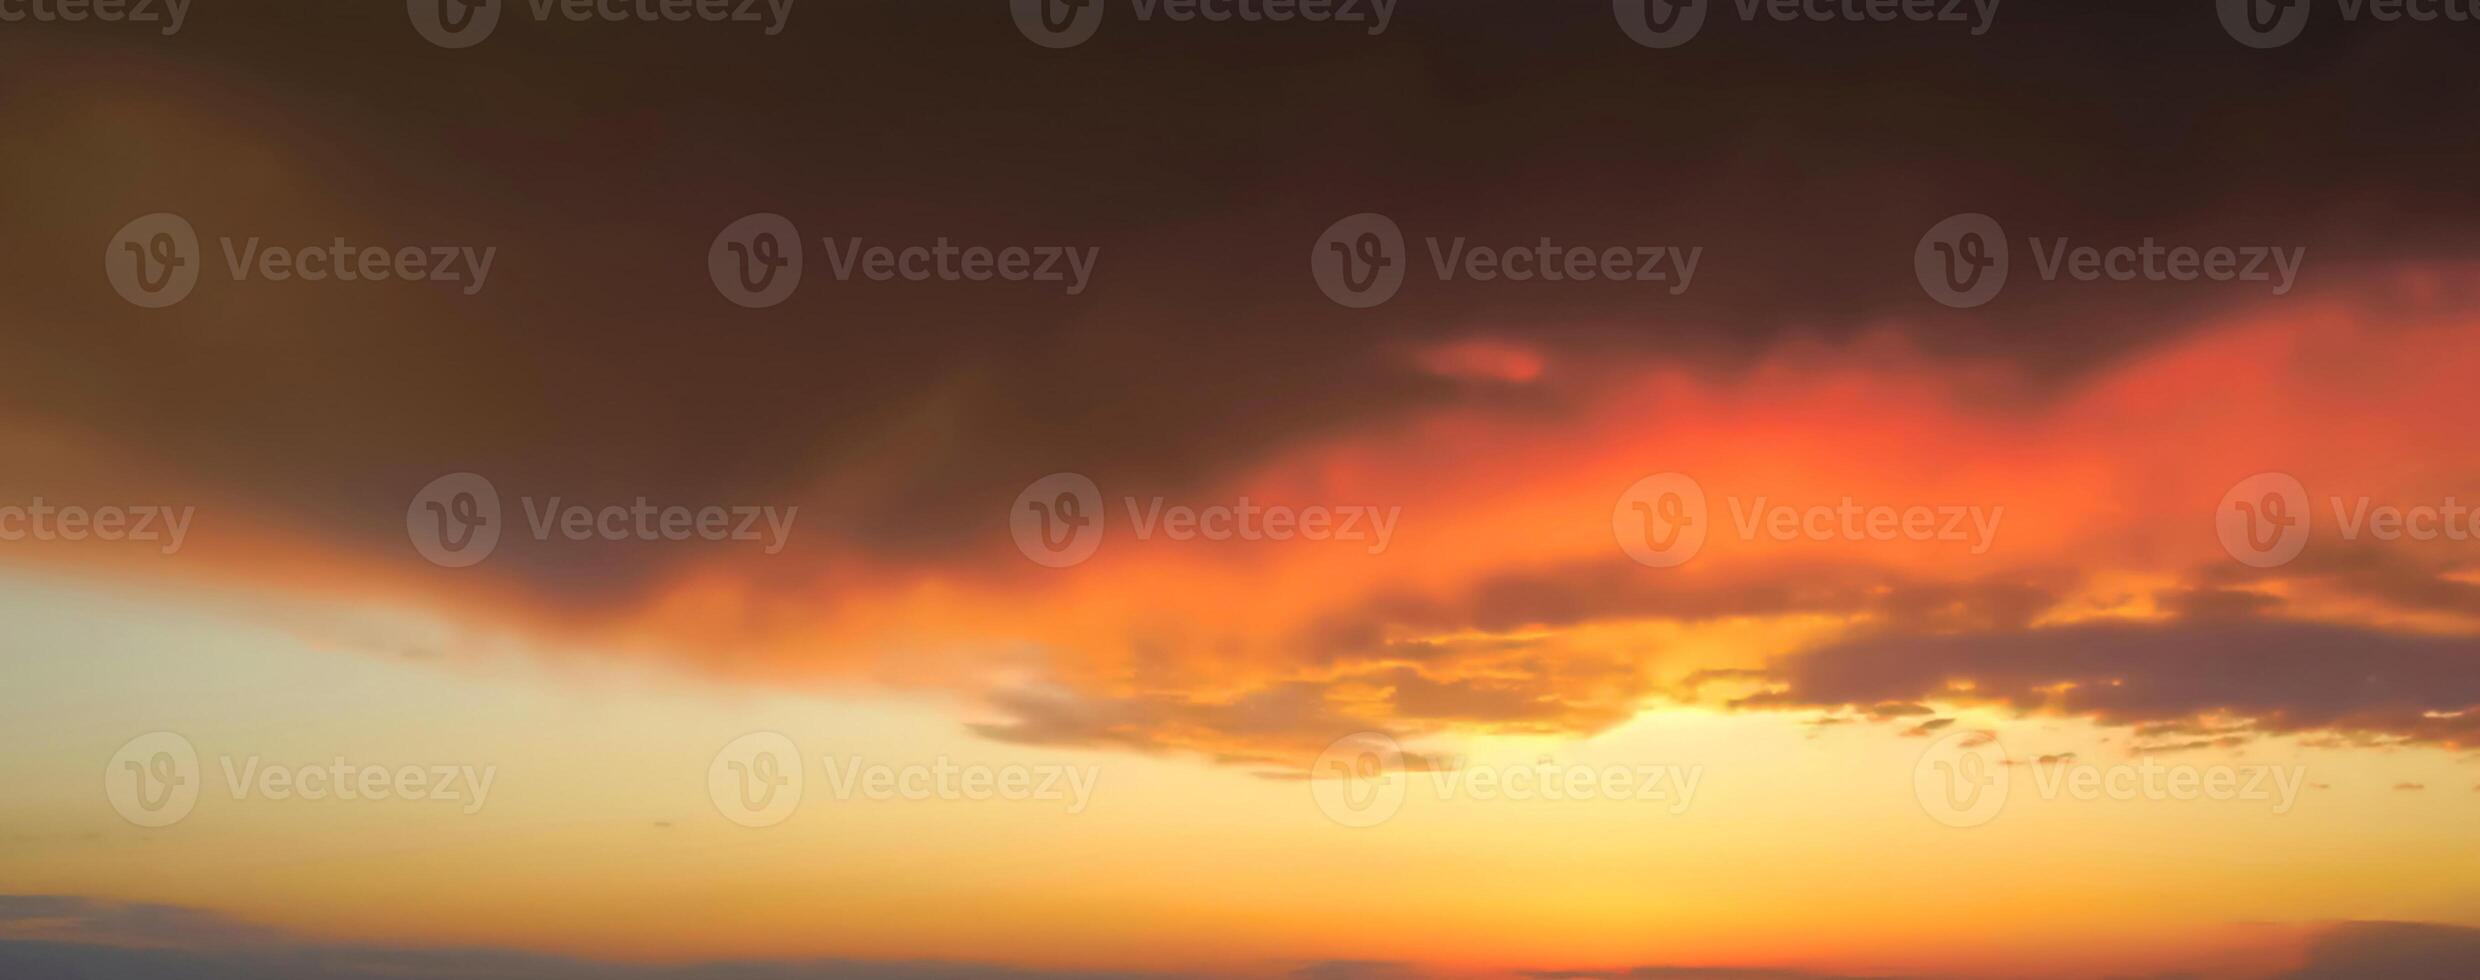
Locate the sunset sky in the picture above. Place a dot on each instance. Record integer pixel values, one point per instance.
(1972, 661)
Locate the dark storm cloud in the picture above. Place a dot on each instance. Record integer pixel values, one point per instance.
(1203, 159)
(601, 367)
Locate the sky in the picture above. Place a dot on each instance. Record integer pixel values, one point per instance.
(646, 578)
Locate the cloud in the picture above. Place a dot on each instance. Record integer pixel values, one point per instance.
(1699, 973)
(2277, 677)
(71, 917)
(1356, 970)
(53, 937)
(1503, 428)
(2391, 951)
(60, 937)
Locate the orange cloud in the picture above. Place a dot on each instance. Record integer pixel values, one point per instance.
(1498, 597)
